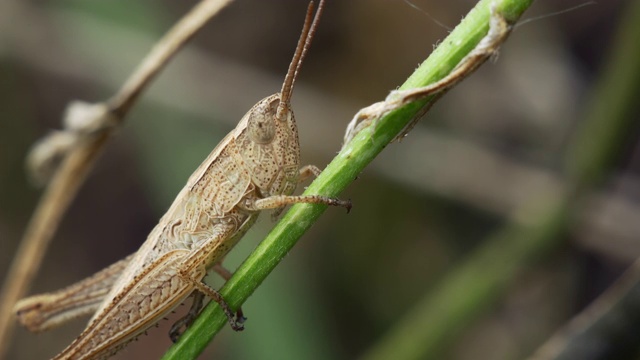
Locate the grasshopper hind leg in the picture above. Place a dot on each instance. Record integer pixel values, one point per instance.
(193, 269)
(180, 326)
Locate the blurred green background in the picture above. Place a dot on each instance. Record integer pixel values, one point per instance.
(488, 147)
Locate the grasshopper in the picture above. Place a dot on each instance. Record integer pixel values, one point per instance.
(255, 167)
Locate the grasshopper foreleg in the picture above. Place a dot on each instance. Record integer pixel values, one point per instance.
(278, 201)
(304, 173)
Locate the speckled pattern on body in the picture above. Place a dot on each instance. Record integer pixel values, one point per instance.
(255, 167)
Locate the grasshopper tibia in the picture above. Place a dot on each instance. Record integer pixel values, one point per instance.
(236, 322)
(198, 298)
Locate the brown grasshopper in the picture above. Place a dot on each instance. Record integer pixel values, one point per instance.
(255, 167)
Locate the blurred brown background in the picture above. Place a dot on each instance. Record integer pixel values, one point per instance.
(491, 144)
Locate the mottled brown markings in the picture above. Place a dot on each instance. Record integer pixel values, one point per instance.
(255, 167)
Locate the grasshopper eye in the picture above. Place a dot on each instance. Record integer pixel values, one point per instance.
(261, 128)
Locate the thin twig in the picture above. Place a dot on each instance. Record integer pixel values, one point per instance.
(164, 50)
(607, 327)
(82, 155)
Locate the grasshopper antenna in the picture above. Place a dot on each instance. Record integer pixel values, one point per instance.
(308, 31)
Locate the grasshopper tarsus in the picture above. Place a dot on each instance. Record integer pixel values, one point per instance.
(348, 205)
(174, 335)
(240, 318)
(237, 325)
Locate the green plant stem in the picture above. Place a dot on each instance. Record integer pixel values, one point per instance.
(472, 287)
(607, 118)
(483, 278)
(339, 174)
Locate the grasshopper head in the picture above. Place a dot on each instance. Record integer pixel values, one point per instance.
(269, 146)
(272, 153)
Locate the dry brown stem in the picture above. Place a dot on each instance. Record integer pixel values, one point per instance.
(89, 135)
